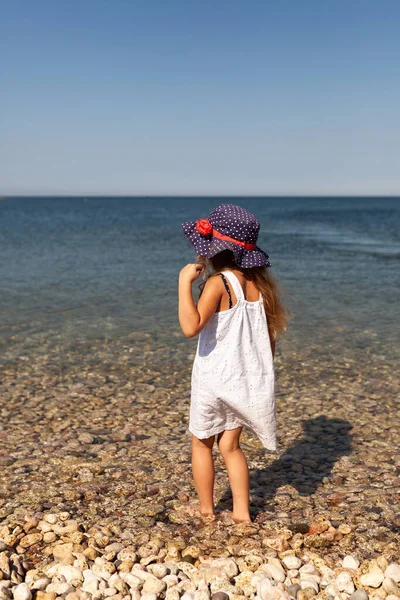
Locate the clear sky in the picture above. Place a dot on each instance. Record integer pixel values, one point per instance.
(200, 96)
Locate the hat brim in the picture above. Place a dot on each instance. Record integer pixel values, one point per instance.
(209, 246)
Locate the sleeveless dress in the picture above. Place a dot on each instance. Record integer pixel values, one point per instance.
(233, 382)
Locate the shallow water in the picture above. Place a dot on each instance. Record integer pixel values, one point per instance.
(83, 268)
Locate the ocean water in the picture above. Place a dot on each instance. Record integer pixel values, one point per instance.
(105, 268)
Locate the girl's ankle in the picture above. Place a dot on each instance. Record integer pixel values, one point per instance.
(241, 516)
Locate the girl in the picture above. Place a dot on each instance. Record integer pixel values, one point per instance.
(239, 316)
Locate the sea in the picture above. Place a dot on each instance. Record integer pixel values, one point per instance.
(76, 270)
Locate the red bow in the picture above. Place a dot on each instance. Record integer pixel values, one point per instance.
(204, 227)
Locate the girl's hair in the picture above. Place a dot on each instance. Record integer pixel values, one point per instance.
(277, 313)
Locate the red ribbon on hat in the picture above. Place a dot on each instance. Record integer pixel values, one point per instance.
(204, 227)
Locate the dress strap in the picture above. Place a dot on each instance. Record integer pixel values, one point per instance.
(227, 289)
(234, 281)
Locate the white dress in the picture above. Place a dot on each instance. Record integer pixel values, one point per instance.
(233, 382)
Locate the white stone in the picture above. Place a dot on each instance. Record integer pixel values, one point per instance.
(187, 596)
(172, 594)
(171, 580)
(344, 582)
(275, 593)
(275, 572)
(91, 582)
(390, 586)
(292, 573)
(263, 586)
(45, 527)
(391, 597)
(331, 590)
(309, 582)
(72, 574)
(186, 586)
(309, 569)
(226, 564)
(60, 588)
(393, 571)
(158, 570)
(41, 583)
(132, 580)
(152, 585)
(201, 595)
(22, 592)
(135, 595)
(292, 562)
(110, 591)
(50, 518)
(373, 578)
(350, 562)
(149, 596)
(257, 577)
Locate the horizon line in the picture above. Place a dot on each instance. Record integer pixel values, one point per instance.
(110, 195)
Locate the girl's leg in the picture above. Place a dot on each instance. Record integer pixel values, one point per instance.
(203, 472)
(238, 472)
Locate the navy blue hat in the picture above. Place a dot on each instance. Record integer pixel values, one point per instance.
(228, 227)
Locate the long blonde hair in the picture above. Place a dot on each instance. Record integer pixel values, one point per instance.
(277, 314)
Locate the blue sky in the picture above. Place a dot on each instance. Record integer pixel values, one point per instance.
(200, 97)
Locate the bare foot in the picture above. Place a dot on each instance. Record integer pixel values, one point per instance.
(246, 520)
(230, 515)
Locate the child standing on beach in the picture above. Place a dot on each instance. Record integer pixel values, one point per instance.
(238, 316)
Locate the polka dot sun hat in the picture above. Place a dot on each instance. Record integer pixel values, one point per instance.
(228, 227)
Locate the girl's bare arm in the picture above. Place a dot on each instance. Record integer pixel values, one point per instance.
(192, 318)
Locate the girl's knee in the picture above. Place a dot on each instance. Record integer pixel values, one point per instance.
(228, 441)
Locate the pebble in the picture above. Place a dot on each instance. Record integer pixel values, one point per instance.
(292, 562)
(293, 589)
(393, 571)
(30, 539)
(275, 593)
(345, 582)
(390, 586)
(350, 562)
(22, 592)
(308, 582)
(63, 552)
(373, 578)
(263, 587)
(273, 571)
(51, 518)
(154, 585)
(41, 583)
(228, 565)
(359, 595)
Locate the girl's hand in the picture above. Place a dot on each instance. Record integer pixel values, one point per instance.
(190, 272)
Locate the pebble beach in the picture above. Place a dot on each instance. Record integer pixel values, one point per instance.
(97, 496)
(96, 493)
